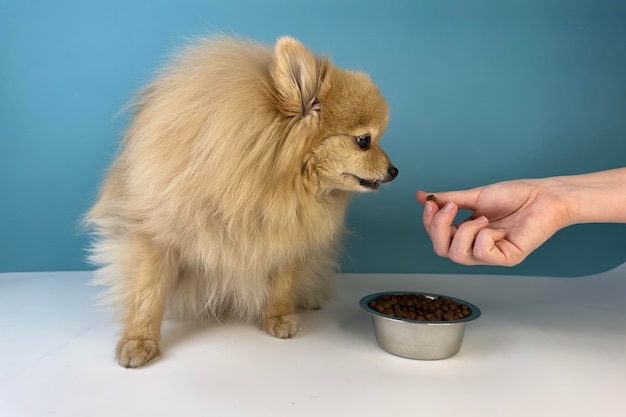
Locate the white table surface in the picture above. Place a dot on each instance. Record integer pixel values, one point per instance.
(542, 347)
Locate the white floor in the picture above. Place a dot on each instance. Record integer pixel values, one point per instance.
(542, 347)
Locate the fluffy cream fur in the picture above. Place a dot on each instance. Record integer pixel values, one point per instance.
(228, 195)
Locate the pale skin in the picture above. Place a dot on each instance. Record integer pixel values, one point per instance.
(511, 219)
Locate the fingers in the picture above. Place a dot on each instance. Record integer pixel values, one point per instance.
(421, 196)
(477, 244)
(430, 209)
(461, 248)
(438, 225)
(470, 243)
(491, 247)
(465, 199)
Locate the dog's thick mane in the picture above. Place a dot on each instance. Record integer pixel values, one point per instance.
(240, 159)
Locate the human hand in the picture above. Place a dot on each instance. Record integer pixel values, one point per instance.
(509, 220)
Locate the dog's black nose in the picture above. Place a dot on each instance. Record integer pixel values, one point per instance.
(393, 171)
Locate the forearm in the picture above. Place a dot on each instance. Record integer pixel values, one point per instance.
(598, 197)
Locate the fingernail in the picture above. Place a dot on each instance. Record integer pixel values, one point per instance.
(481, 219)
(448, 207)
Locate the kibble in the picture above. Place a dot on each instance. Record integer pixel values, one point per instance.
(420, 307)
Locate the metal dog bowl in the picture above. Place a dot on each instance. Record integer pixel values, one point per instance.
(418, 339)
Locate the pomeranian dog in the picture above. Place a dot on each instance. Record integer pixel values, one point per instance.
(228, 195)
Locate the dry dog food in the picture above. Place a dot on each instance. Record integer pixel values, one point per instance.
(420, 307)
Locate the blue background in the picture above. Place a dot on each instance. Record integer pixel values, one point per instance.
(480, 91)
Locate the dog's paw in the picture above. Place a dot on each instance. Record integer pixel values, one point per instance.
(283, 327)
(133, 353)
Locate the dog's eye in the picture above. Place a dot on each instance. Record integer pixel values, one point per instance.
(363, 141)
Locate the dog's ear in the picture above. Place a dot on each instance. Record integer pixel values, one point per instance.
(298, 76)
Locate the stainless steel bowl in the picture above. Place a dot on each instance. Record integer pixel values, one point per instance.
(416, 339)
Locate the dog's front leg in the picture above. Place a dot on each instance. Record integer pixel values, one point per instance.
(144, 313)
(280, 318)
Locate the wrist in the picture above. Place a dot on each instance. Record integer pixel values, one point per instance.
(568, 200)
(559, 194)
(590, 198)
